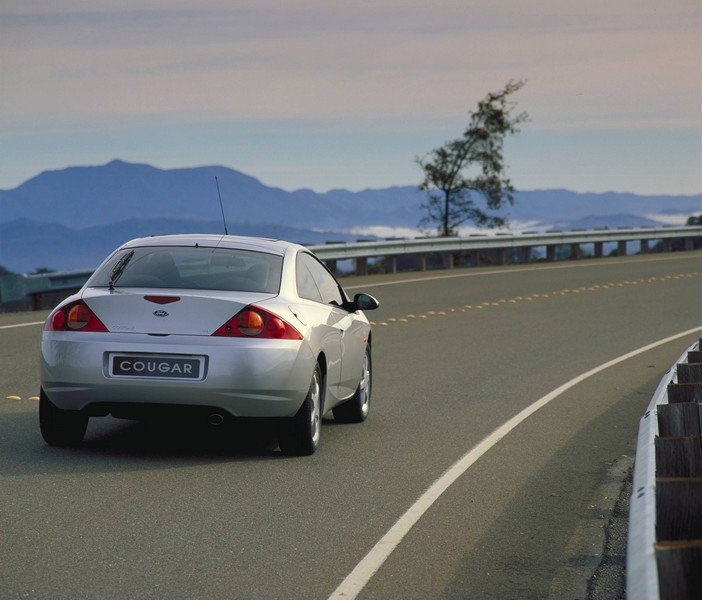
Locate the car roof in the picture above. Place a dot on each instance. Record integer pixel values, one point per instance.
(210, 240)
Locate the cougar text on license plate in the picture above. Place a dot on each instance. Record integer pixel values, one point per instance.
(159, 367)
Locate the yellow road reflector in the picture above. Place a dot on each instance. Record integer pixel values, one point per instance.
(13, 398)
(34, 398)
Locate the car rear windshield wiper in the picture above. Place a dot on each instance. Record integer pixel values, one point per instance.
(118, 269)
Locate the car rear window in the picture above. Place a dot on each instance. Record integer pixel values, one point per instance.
(192, 269)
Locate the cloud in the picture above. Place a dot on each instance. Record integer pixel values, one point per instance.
(575, 78)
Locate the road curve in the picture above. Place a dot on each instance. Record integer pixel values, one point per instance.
(155, 512)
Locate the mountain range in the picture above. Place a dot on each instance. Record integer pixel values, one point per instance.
(71, 218)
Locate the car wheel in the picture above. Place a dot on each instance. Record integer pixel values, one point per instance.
(356, 409)
(300, 435)
(60, 427)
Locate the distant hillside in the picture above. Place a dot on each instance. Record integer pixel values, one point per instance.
(117, 191)
(85, 196)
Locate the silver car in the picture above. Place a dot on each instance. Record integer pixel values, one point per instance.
(217, 327)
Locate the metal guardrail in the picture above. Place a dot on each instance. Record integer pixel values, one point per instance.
(19, 288)
(342, 251)
(420, 247)
(676, 450)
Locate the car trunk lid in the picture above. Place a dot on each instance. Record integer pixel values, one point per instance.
(167, 311)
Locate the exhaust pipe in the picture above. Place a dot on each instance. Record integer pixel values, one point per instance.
(215, 419)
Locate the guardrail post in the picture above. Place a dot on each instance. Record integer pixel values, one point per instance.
(678, 565)
(644, 247)
(361, 265)
(391, 264)
(421, 261)
(667, 245)
(550, 253)
(679, 419)
(684, 392)
(599, 249)
(501, 256)
(475, 258)
(447, 258)
(690, 373)
(526, 254)
(680, 499)
(621, 248)
(574, 251)
(678, 456)
(689, 243)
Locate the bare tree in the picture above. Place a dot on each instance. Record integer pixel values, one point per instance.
(447, 170)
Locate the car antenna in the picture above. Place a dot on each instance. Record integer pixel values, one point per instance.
(221, 206)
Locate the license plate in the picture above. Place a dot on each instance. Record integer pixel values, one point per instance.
(156, 367)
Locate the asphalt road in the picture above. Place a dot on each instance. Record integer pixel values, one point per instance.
(170, 512)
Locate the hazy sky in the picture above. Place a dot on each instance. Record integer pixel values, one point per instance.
(322, 94)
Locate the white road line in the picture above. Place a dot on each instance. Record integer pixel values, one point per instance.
(21, 324)
(585, 265)
(371, 562)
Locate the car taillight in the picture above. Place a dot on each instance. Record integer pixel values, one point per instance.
(75, 316)
(249, 322)
(253, 321)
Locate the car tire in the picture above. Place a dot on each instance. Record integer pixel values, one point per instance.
(356, 409)
(299, 436)
(60, 427)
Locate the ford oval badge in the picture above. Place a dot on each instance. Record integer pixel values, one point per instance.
(160, 313)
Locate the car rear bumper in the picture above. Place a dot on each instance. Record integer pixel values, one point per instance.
(244, 377)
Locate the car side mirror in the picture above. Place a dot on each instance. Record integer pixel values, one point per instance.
(365, 302)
